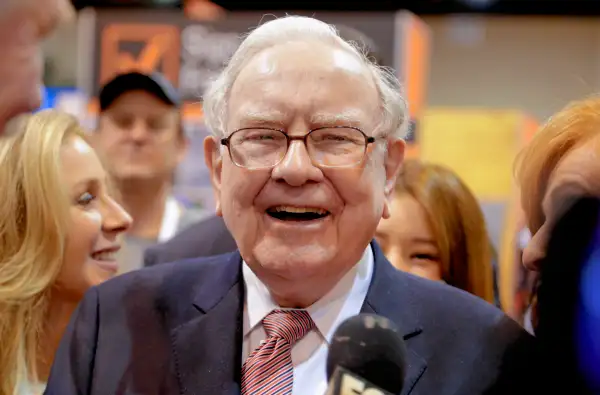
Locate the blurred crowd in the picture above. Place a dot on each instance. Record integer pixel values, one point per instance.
(80, 208)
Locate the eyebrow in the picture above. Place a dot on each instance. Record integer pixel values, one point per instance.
(423, 240)
(254, 117)
(87, 182)
(350, 117)
(270, 117)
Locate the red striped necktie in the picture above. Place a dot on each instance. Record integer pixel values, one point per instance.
(269, 370)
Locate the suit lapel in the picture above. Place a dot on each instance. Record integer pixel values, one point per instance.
(207, 347)
(207, 344)
(389, 297)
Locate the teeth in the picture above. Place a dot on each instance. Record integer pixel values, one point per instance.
(104, 256)
(299, 210)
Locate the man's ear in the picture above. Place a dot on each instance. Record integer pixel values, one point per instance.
(214, 163)
(393, 163)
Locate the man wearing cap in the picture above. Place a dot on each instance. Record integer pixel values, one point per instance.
(141, 139)
(23, 26)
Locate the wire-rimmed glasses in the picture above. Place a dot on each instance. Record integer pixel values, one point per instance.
(332, 146)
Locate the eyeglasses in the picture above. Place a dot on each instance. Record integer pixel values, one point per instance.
(261, 148)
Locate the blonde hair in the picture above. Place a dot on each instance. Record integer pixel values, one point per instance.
(33, 220)
(395, 117)
(574, 125)
(457, 223)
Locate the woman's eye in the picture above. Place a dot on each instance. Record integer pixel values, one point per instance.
(424, 257)
(85, 199)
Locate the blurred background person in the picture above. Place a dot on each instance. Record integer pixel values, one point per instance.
(58, 237)
(437, 230)
(23, 26)
(141, 139)
(559, 165)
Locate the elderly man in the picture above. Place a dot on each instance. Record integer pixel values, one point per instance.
(211, 236)
(23, 25)
(306, 148)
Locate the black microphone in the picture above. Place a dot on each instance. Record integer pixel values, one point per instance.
(568, 326)
(366, 356)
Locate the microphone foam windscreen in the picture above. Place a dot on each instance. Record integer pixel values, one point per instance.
(371, 347)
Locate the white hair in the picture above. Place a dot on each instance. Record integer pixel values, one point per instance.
(394, 118)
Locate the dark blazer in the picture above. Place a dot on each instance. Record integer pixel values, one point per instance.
(208, 237)
(177, 329)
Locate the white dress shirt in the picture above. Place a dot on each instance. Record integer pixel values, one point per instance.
(309, 354)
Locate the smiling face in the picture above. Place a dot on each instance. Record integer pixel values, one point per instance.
(95, 221)
(296, 88)
(407, 239)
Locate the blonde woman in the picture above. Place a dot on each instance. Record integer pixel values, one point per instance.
(58, 237)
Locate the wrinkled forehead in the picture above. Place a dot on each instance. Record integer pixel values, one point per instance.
(315, 81)
(312, 53)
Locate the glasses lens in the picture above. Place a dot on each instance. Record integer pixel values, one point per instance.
(337, 146)
(257, 148)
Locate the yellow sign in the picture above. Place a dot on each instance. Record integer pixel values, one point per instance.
(479, 145)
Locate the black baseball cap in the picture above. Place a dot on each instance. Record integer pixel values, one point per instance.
(155, 84)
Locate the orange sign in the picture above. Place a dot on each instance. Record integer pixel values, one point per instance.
(414, 63)
(203, 10)
(530, 127)
(416, 59)
(160, 51)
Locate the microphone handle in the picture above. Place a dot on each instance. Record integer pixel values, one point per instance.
(344, 382)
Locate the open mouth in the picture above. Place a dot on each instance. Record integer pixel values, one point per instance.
(288, 213)
(105, 256)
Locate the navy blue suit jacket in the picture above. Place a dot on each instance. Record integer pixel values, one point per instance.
(177, 329)
(208, 237)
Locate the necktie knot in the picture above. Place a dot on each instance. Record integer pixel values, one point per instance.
(290, 325)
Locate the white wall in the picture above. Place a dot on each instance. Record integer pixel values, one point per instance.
(535, 64)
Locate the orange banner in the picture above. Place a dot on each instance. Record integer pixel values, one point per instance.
(414, 71)
(160, 45)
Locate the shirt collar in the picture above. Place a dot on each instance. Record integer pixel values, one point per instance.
(343, 301)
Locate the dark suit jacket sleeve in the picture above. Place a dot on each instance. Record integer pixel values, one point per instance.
(71, 372)
(518, 360)
(206, 238)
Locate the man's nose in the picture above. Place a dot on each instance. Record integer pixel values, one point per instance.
(297, 168)
(115, 219)
(533, 255)
(139, 131)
